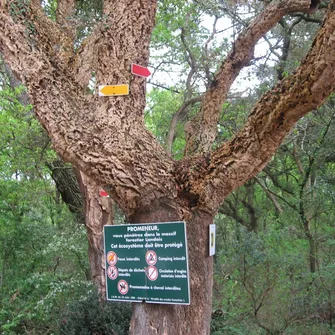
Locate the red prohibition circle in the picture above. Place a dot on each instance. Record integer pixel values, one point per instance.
(151, 272)
(112, 272)
(151, 257)
(111, 258)
(123, 287)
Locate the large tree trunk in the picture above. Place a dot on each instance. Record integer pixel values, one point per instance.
(153, 319)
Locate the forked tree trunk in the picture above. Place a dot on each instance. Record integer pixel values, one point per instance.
(107, 139)
(154, 319)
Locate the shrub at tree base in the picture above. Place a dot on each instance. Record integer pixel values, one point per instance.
(91, 316)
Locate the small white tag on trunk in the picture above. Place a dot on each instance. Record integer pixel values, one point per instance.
(212, 232)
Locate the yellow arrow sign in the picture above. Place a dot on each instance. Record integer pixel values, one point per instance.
(107, 90)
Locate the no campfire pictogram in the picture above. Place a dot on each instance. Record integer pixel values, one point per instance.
(151, 272)
(123, 287)
(111, 258)
(112, 272)
(151, 257)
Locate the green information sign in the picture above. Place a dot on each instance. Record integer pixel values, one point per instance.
(147, 263)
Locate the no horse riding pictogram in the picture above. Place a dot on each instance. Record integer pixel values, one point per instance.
(123, 287)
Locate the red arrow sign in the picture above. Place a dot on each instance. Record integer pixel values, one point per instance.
(140, 70)
(103, 193)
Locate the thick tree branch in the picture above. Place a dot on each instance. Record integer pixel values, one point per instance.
(37, 33)
(103, 136)
(121, 39)
(271, 119)
(55, 39)
(67, 185)
(99, 212)
(106, 137)
(205, 124)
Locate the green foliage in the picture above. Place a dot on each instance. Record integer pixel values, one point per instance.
(159, 113)
(160, 108)
(43, 261)
(261, 283)
(50, 8)
(87, 14)
(91, 315)
(183, 41)
(275, 268)
(23, 143)
(43, 252)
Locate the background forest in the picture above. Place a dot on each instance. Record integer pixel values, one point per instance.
(274, 265)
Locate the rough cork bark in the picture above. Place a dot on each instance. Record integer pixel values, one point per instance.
(154, 319)
(99, 212)
(106, 138)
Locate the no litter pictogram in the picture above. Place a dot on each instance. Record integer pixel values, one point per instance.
(151, 257)
(111, 258)
(123, 287)
(112, 272)
(151, 272)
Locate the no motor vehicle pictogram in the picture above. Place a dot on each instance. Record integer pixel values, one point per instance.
(151, 272)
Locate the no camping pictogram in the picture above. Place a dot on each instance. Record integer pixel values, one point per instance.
(151, 257)
(111, 258)
(123, 287)
(151, 272)
(112, 272)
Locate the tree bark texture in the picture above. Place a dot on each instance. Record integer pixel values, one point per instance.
(67, 185)
(99, 212)
(154, 319)
(105, 137)
(82, 196)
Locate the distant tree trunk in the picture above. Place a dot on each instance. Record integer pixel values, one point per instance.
(306, 191)
(153, 319)
(66, 182)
